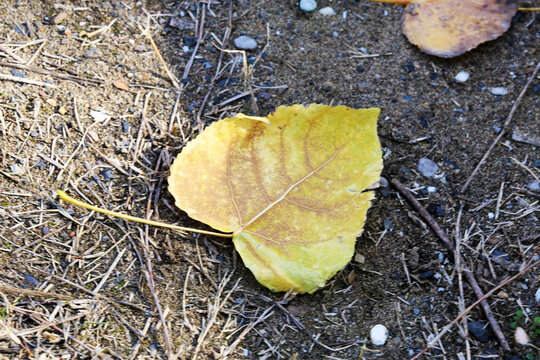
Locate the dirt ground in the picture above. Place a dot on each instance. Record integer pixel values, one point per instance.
(103, 120)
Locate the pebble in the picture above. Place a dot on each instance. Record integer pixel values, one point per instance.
(378, 334)
(107, 174)
(462, 76)
(90, 52)
(125, 126)
(533, 185)
(190, 41)
(245, 43)
(263, 95)
(139, 48)
(62, 110)
(383, 182)
(152, 348)
(30, 280)
(359, 258)
(427, 167)
(479, 330)
(498, 91)
(61, 29)
(308, 5)
(41, 165)
(18, 73)
(327, 11)
(426, 275)
(537, 295)
(521, 336)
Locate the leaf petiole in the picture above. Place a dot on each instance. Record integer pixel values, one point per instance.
(79, 203)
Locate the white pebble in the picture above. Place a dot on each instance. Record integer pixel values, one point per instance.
(185, 49)
(462, 76)
(327, 11)
(491, 215)
(521, 336)
(537, 295)
(308, 5)
(431, 189)
(245, 43)
(498, 91)
(344, 15)
(378, 334)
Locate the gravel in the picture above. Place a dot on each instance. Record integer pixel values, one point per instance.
(498, 91)
(533, 185)
(462, 76)
(30, 280)
(245, 43)
(378, 334)
(308, 5)
(327, 11)
(427, 167)
(479, 330)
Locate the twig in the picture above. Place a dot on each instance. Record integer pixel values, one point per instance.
(26, 81)
(146, 33)
(504, 128)
(17, 291)
(450, 246)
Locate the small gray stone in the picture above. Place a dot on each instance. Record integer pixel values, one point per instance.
(498, 91)
(18, 73)
(245, 43)
(308, 5)
(30, 280)
(107, 174)
(139, 48)
(427, 167)
(383, 182)
(327, 11)
(533, 185)
(479, 330)
(462, 76)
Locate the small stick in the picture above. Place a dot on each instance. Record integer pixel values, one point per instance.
(76, 202)
(146, 33)
(17, 291)
(504, 128)
(450, 246)
(90, 81)
(26, 81)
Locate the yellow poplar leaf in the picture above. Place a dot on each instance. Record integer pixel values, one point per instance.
(292, 190)
(449, 28)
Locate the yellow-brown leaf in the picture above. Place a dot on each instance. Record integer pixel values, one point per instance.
(292, 190)
(448, 28)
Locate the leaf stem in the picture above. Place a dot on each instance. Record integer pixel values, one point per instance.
(76, 202)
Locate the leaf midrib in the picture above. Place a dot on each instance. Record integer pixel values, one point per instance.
(284, 195)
